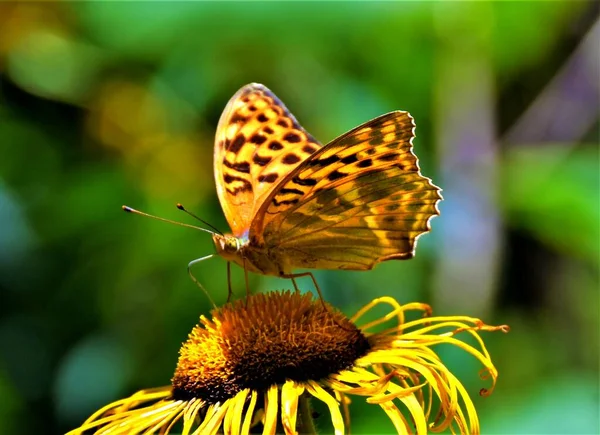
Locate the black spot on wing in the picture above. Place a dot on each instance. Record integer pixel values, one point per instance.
(260, 160)
(378, 123)
(275, 146)
(388, 157)
(237, 143)
(268, 178)
(292, 138)
(283, 123)
(325, 196)
(324, 162)
(243, 167)
(309, 149)
(304, 181)
(228, 178)
(377, 138)
(349, 159)
(262, 117)
(285, 202)
(237, 118)
(335, 175)
(290, 159)
(245, 187)
(268, 130)
(353, 140)
(285, 191)
(258, 139)
(365, 163)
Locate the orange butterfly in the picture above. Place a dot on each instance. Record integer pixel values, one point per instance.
(292, 203)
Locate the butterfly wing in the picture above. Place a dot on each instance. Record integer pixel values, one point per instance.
(357, 201)
(258, 143)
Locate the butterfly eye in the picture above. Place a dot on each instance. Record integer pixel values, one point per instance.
(231, 244)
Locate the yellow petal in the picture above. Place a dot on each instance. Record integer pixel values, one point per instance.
(271, 408)
(249, 413)
(290, 393)
(334, 408)
(233, 419)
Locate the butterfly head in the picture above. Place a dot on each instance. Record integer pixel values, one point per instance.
(227, 245)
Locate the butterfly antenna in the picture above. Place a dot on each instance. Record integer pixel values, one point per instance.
(141, 213)
(182, 208)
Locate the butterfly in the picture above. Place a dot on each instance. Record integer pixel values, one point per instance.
(293, 203)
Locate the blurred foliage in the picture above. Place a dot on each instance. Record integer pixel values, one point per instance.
(107, 103)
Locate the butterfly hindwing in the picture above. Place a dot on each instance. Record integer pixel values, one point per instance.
(258, 143)
(357, 201)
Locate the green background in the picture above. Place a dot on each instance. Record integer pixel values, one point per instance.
(104, 104)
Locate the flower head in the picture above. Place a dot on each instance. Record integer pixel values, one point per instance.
(256, 363)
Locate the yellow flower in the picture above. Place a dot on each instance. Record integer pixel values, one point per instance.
(254, 366)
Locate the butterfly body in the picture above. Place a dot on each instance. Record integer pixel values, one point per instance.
(251, 256)
(293, 203)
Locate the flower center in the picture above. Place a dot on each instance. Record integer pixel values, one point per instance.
(263, 341)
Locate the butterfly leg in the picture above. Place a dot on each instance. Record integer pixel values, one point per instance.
(292, 276)
(229, 291)
(295, 285)
(246, 281)
(189, 269)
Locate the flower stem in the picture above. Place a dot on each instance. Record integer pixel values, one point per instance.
(306, 424)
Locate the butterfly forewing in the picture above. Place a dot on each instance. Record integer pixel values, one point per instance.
(357, 201)
(258, 143)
